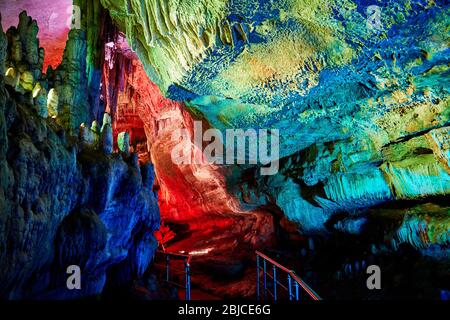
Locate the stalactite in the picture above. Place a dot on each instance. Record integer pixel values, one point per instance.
(100, 30)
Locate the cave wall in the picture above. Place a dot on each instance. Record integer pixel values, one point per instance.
(362, 109)
(362, 106)
(64, 199)
(191, 194)
(53, 18)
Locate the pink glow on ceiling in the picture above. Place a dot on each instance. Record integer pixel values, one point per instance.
(53, 18)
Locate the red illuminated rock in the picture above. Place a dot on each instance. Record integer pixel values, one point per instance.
(192, 193)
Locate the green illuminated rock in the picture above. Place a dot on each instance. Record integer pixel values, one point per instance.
(123, 142)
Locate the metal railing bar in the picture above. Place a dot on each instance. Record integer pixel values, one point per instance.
(176, 284)
(291, 276)
(171, 268)
(258, 276)
(281, 285)
(188, 280)
(305, 287)
(278, 282)
(265, 278)
(273, 262)
(172, 272)
(177, 269)
(175, 254)
(275, 282)
(290, 286)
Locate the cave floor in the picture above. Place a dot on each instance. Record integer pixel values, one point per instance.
(222, 260)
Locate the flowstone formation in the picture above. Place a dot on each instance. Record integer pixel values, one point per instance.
(66, 93)
(64, 200)
(194, 194)
(359, 93)
(362, 106)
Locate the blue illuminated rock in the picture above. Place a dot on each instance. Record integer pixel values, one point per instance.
(62, 205)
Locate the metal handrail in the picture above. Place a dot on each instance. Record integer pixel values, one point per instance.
(291, 277)
(187, 270)
(175, 254)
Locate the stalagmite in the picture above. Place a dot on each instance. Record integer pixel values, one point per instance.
(106, 120)
(36, 89)
(134, 160)
(52, 103)
(86, 135)
(123, 142)
(148, 176)
(82, 133)
(96, 133)
(27, 80)
(107, 138)
(16, 49)
(12, 77)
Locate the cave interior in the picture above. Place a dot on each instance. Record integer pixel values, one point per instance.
(97, 98)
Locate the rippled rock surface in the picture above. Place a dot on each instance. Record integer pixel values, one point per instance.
(359, 93)
(358, 90)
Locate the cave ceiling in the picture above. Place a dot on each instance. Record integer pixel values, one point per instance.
(317, 70)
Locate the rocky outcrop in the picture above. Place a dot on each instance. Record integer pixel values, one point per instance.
(162, 116)
(191, 194)
(64, 202)
(362, 106)
(361, 103)
(69, 81)
(179, 33)
(61, 94)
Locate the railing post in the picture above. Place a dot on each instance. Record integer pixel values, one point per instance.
(274, 268)
(257, 277)
(292, 279)
(167, 267)
(265, 279)
(187, 295)
(289, 286)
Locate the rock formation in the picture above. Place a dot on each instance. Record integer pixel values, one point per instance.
(62, 203)
(194, 194)
(123, 142)
(362, 108)
(358, 93)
